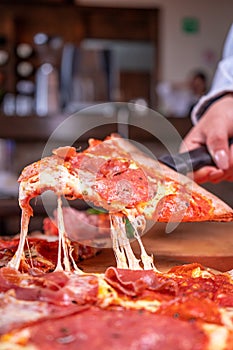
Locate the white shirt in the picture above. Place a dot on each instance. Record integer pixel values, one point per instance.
(222, 82)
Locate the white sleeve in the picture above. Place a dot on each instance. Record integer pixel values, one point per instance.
(222, 82)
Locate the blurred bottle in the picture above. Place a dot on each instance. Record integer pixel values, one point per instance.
(8, 177)
(47, 97)
(47, 94)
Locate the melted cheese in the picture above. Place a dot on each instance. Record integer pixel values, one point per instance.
(148, 208)
(217, 336)
(124, 254)
(227, 317)
(107, 296)
(139, 224)
(11, 343)
(62, 245)
(125, 257)
(15, 261)
(17, 341)
(18, 311)
(13, 310)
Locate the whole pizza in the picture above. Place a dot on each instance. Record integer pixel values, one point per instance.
(48, 302)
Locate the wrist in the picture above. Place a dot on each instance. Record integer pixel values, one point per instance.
(203, 109)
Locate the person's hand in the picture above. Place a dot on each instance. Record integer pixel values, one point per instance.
(213, 130)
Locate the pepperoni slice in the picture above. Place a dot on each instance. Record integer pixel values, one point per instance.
(117, 329)
(183, 206)
(55, 288)
(135, 283)
(118, 181)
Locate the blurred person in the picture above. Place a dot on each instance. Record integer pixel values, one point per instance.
(213, 121)
(178, 99)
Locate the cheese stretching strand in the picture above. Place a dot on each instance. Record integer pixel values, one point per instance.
(139, 224)
(62, 246)
(124, 255)
(64, 243)
(15, 261)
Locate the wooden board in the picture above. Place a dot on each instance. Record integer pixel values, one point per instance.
(210, 244)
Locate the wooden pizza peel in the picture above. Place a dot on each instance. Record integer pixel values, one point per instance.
(210, 244)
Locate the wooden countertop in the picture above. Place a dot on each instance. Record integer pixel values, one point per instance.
(210, 244)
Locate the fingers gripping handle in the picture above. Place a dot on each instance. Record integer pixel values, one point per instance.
(190, 161)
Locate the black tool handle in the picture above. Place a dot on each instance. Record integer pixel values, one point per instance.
(197, 158)
(190, 161)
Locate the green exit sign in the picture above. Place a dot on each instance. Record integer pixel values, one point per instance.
(190, 25)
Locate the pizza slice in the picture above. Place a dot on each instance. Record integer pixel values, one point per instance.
(117, 176)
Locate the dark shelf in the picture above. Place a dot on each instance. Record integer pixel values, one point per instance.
(31, 128)
(79, 128)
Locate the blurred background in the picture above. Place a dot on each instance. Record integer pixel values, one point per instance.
(58, 57)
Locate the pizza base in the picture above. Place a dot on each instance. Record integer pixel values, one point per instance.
(118, 309)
